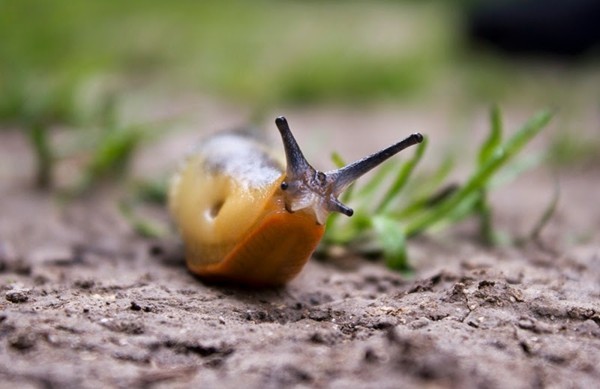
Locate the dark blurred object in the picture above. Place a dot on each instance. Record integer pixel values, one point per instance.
(563, 28)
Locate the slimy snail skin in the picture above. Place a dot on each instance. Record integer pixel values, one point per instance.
(246, 217)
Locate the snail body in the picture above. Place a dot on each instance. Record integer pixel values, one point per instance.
(246, 216)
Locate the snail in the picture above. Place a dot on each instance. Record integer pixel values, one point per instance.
(246, 218)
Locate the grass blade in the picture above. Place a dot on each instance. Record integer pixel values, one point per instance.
(548, 212)
(517, 167)
(337, 160)
(484, 211)
(402, 177)
(152, 191)
(483, 174)
(393, 242)
(369, 189)
(494, 138)
(38, 136)
(143, 227)
(114, 153)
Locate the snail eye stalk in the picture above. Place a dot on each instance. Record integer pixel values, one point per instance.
(306, 187)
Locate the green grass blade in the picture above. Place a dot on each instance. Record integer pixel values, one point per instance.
(115, 152)
(424, 202)
(337, 160)
(437, 178)
(548, 213)
(484, 211)
(38, 136)
(143, 227)
(369, 189)
(462, 210)
(152, 191)
(402, 177)
(483, 174)
(516, 168)
(429, 191)
(494, 138)
(393, 241)
(346, 232)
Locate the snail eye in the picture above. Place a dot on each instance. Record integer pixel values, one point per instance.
(284, 185)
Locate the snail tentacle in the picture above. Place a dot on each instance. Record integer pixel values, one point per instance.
(307, 188)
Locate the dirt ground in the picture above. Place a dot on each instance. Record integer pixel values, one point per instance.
(86, 303)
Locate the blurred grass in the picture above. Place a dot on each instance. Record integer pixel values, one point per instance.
(258, 52)
(66, 63)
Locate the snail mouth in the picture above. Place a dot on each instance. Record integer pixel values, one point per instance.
(311, 197)
(310, 203)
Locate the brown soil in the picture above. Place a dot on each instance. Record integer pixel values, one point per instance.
(86, 303)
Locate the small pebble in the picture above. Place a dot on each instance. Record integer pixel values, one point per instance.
(382, 324)
(85, 284)
(17, 296)
(24, 341)
(420, 323)
(370, 355)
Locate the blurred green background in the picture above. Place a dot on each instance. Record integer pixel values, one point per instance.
(258, 53)
(75, 64)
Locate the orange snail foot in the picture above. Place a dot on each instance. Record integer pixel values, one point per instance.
(271, 255)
